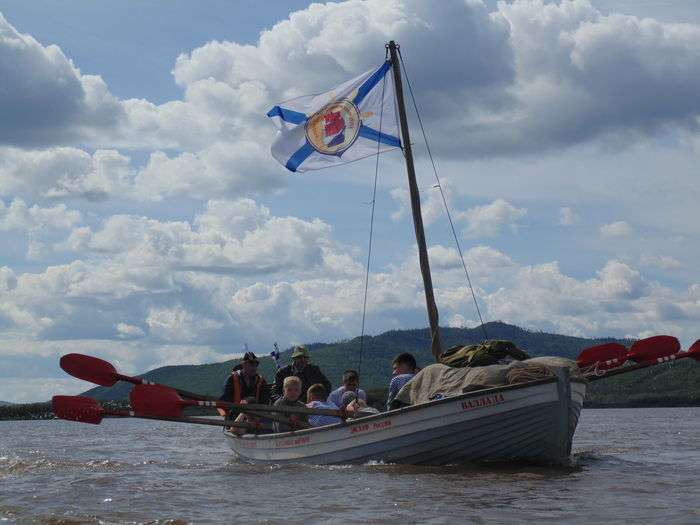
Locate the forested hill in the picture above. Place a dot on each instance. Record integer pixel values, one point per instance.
(679, 384)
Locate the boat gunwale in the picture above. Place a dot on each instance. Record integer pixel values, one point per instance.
(397, 411)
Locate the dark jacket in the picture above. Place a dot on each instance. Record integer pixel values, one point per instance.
(309, 376)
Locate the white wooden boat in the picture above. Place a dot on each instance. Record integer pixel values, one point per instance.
(533, 422)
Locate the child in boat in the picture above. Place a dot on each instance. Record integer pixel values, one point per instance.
(316, 396)
(351, 383)
(404, 368)
(291, 390)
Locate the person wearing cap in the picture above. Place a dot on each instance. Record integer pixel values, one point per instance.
(300, 367)
(245, 382)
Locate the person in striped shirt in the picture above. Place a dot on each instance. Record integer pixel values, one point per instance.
(404, 368)
(316, 398)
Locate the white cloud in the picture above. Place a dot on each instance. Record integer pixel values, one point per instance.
(18, 216)
(490, 219)
(64, 172)
(230, 236)
(533, 57)
(567, 217)
(665, 262)
(617, 301)
(45, 98)
(615, 229)
(128, 331)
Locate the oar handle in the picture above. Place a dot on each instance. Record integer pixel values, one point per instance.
(190, 420)
(602, 374)
(279, 419)
(248, 407)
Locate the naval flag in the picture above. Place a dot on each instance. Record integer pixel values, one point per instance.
(338, 126)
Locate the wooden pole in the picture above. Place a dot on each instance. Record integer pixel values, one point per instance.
(415, 207)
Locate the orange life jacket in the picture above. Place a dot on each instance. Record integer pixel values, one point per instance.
(236, 378)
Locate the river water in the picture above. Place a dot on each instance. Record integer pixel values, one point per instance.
(631, 466)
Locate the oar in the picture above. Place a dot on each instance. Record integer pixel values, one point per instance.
(612, 355)
(651, 359)
(653, 348)
(602, 357)
(160, 400)
(88, 410)
(103, 373)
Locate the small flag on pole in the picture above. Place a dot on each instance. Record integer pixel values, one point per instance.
(338, 126)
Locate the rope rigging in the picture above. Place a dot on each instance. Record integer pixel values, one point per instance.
(371, 227)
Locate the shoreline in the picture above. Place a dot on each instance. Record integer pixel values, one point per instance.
(42, 411)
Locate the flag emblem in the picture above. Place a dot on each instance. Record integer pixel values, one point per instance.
(354, 120)
(334, 129)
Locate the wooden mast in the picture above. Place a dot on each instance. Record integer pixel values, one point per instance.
(415, 207)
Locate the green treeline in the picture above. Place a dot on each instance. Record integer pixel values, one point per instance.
(663, 385)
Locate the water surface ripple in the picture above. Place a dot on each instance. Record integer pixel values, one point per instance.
(631, 466)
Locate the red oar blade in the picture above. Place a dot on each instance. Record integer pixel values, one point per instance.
(608, 355)
(75, 408)
(89, 368)
(653, 348)
(156, 400)
(694, 350)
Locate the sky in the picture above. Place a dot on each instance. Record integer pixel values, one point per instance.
(143, 220)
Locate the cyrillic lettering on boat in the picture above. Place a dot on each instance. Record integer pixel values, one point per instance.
(282, 443)
(481, 402)
(364, 427)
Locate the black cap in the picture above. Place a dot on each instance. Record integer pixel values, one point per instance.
(250, 357)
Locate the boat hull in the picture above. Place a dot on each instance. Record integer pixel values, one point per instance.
(530, 422)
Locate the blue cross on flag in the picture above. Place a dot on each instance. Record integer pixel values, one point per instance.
(338, 126)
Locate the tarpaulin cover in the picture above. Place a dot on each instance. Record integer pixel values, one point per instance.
(438, 380)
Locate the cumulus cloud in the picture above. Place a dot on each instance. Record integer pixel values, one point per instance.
(665, 262)
(64, 172)
(19, 216)
(617, 301)
(45, 97)
(539, 67)
(230, 236)
(567, 216)
(615, 229)
(490, 219)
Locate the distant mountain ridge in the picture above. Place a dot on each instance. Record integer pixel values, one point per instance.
(375, 368)
(679, 384)
(5, 403)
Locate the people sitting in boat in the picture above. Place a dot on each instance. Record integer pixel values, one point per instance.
(308, 374)
(253, 421)
(245, 382)
(404, 368)
(291, 391)
(351, 383)
(316, 398)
